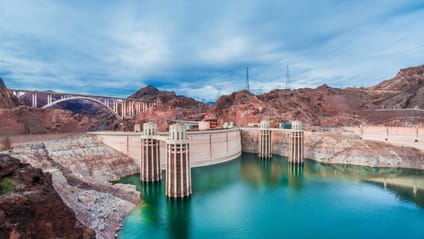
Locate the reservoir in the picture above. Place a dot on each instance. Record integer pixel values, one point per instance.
(253, 198)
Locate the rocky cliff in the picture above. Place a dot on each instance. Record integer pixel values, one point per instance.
(31, 208)
(407, 89)
(7, 99)
(338, 146)
(82, 169)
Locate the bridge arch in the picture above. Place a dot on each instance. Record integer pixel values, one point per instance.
(83, 98)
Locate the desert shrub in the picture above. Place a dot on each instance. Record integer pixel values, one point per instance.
(7, 185)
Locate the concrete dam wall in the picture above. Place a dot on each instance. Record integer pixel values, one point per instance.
(206, 147)
(403, 136)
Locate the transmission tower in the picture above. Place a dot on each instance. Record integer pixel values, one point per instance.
(287, 78)
(218, 92)
(247, 80)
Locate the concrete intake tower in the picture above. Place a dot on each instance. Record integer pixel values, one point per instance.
(150, 170)
(265, 144)
(178, 171)
(296, 142)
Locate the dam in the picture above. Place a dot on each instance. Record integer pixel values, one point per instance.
(180, 151)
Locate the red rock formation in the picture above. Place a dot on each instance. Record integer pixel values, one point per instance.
(167, 106)
(405, 90)
(34, 209)
(313, 106)
(27, 120)
(7, 99)
(327, 106)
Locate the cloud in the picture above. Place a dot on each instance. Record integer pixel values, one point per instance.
(202, 48)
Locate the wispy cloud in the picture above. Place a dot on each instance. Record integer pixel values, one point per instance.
(201, 48)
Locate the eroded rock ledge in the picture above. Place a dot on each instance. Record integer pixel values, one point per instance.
(82, 169)
(31, 208)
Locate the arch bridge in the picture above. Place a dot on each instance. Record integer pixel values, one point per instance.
(120, 107)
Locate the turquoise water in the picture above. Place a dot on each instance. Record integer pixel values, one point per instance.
(251, 198)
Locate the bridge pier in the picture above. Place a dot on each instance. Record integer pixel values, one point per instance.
(265, 143)
(150, 170)
(178, 171)
(49, 98)
(296, 143)
(34, 99)
(115, 106)
(123, 106)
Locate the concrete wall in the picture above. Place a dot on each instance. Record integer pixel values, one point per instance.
(206, 147)
(404, 136)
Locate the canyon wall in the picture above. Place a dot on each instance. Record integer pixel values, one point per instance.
(31, 208)
(82, 169)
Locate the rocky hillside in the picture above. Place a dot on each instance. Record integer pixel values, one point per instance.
(328, 106)
(31, 208)
(27, 120)
(407, 89)
(167, 106)
(315, 106)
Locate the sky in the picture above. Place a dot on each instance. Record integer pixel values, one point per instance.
(201, 49)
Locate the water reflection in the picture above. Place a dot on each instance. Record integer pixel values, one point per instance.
(178, 218)
(151, 194)
(295, 175)
(261, 172)
(408, 184)
(210, 179)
